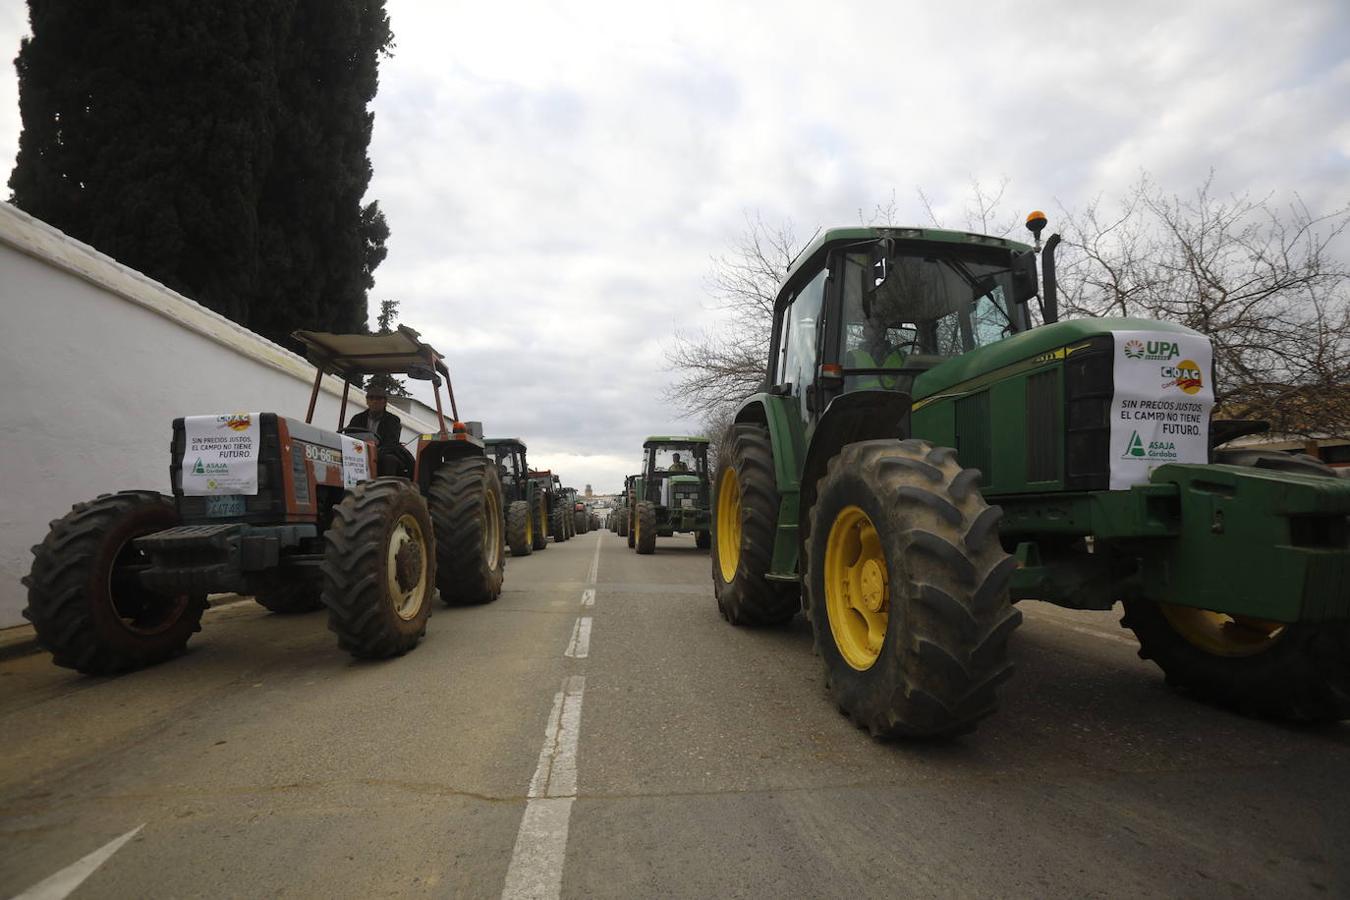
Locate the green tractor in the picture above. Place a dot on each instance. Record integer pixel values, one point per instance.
(671, 494)
(525, 513)
(623, 510)
(923, 455)
(569, 510)
(295, 515)
(549, 487)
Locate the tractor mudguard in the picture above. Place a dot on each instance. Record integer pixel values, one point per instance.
(779, 416)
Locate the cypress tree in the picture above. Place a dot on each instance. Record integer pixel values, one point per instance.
(218, 148)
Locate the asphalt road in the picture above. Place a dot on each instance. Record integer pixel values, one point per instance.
(602, 732)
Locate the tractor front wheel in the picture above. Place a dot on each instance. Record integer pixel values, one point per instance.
(703, 540)
(85, 600)
(379, 569)
(644, 526)
(466, 512)
(907, 588)
(519, 529)
(1285, 671)
(745, 520)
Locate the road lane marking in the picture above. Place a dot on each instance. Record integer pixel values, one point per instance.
(580, 645)
(595, 560)
(588, 597)
(63, 883)
(537, 859)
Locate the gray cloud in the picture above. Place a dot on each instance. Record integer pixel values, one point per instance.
(557, 179)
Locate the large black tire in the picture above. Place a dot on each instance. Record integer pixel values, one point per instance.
(621, 522)
(702, 540)
(940, 591)
(291, 597)
(519, 533)
(630, 527)
(86, 608)
(644, 541)
(540, 524)
(746, 597)
(557, 524)
(466, 502)
(582, 522)
(1295, 672)
(375, 609)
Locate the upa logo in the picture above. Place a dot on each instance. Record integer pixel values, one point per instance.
(236, 422)
(1184, 375)
(1134, 349)
(1160, 351)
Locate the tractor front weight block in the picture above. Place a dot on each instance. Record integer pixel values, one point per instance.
(216, 558)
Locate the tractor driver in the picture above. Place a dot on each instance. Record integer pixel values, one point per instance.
(387, 427)
(677, 464)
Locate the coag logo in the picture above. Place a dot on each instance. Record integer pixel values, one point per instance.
(1134, 349)
(235, 422)
(1184, 375)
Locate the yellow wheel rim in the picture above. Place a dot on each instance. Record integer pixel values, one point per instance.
(857, 599)
(492, 530)
(729, 525)
(529, 528)
(1221, 634)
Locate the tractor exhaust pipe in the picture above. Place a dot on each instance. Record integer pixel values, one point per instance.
(1050, 303)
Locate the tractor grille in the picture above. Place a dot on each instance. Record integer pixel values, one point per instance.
(1088, 386)
(973, 434)
(684, 496)
(1043, 426)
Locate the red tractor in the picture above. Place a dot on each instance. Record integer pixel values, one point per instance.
(295, 515)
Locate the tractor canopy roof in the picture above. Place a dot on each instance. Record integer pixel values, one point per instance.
(853, 233)
(401, 352)
(514, 442)
(658, 440)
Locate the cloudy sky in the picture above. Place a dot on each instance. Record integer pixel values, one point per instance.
(557, 176)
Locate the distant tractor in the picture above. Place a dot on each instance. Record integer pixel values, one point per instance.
(671, 495)
(581, 515)
(292, 514)
(924, 454)
(525, 503)
(626, 507)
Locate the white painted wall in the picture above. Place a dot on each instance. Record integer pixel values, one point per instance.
(96, 360)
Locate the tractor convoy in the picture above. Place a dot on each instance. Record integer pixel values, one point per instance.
(931, 445)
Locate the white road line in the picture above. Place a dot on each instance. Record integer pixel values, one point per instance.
(595, 560)
(588, 597)
(580, 644)
(541, 844)
(63, 883)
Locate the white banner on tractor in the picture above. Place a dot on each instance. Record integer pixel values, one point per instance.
(355, 464)
(1160, 409)
(221, 455)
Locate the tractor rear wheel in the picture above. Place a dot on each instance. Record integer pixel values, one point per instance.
(1287, 671)
(379, 569)
(555, 526)
(907, 587)
(540, 525)
(630, 527)
(291, 597)
(519, 529)
(644, 523)
(745, 521)
(466, 512)
(85, 600)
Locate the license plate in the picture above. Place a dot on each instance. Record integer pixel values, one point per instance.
(687, 504)
(225, 505)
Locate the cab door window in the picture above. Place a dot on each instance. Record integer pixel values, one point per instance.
(799, 340)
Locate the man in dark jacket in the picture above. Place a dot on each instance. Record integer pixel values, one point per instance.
(386, 426)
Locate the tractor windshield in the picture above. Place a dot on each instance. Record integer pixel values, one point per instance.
(506, 462)
(689, 459)
(919, 304)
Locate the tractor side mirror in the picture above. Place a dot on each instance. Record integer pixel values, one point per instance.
(1024, 277)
